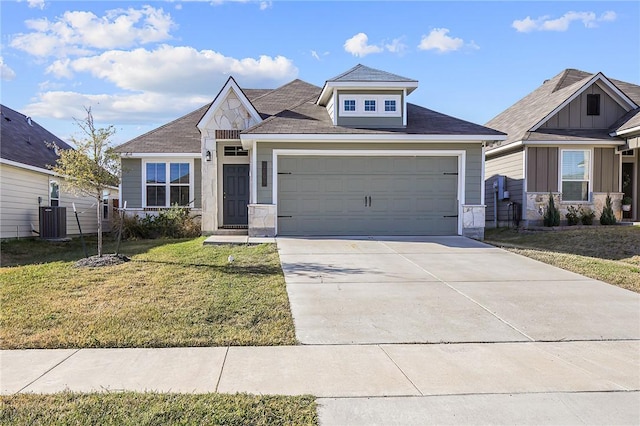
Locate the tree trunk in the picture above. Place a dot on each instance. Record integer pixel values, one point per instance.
(99, 210)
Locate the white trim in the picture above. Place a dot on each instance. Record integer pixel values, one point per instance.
(571, 143)
(590, 181)
(334, 118)
(27, 167)
(482, 176)
(525, 152)
(410, 86)
(167, 163)
(626, 131)
(253, 174)
(363, 137)
(630, 104)
(360, 100)
(221, 97)
(461, 154)
(500, 149)
(404, 107)
(162, 155)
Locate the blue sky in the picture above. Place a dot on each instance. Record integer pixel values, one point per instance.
(139, 64)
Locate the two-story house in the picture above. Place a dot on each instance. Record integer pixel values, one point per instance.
(350, 158)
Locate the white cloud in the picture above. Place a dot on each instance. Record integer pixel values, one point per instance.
(396, 46)
(39, 4)
(545, 23)
(6, 73)
(315, 54)
(358, 45)
(178, 6)
(266, 5)
(176, 69)
(438, 40)
(79, 33)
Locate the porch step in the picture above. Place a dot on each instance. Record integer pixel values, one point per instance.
(223, 231)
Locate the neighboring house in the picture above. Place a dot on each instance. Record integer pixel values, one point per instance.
(349, 158)
(577, 137)
(26, 182)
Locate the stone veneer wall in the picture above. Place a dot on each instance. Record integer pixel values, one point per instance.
(262, 220)
(232, 115)
(537, 205)
(473, 217)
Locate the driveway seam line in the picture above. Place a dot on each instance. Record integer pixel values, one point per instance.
(401, 370)
(462, 294)
(48, 371)
(224, 362)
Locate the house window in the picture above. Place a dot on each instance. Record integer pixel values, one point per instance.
(389, 106)
(54, 193)
(350, 105)
(575, 168)
(162, 192)
(370, 105)
(235, 151)
(593, 104)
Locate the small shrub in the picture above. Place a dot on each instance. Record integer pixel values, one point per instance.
(573, 215)
(607, 217)
(586, 216)
(552, 215)
(174, 222)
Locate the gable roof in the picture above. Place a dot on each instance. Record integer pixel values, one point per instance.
(284, 97)
(520, 119)
(25, 141)
(363, 73)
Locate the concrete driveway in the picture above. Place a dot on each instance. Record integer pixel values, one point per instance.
(443, 289)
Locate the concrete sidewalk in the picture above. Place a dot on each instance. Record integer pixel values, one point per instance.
(333, 371)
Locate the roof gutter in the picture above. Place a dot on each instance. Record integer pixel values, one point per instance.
(625, 131)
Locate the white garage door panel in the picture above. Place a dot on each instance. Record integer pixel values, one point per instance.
(330, 195)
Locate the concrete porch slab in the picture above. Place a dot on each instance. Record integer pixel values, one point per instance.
(318, 370)
(237, 239)
(189, 370)
(18, 368)
(401, 312)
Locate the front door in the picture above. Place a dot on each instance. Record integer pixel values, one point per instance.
(235, 183)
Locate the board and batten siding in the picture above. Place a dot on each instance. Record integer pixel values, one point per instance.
(574, 115)
(20, 190)
(606, 170)
(509, 165)
(473, 170)
(542, 169)
(131, 186)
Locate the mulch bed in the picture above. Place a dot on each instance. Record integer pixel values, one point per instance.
(99, 261)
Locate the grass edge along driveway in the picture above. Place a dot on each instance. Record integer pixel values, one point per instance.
(172, 293)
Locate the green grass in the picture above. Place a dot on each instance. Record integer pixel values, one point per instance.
(156, 409)
(172, 293)
(607, 253)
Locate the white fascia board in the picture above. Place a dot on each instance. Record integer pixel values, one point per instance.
(598, 77)
(625, 131)
(328, 88)
(571, 143)
(160, 155)
(222, 95)
(27, 167)
(362, 137)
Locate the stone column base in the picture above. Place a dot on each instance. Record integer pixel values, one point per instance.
(262, 220)
(473, 217)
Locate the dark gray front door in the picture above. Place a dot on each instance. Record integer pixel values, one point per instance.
(235, 183)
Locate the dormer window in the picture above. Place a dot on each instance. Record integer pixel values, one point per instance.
(593, 104)
(370, 105)
(389, 106)
(350, 105)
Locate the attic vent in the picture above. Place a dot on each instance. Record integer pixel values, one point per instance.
(5, 117)
(29, 121)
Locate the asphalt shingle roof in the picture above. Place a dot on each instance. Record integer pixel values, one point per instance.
(519, 118)
(27, 143)
(363, 73)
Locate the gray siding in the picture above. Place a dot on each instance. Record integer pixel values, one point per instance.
(509, 165)
(606, 165)
(542, 169)
(197, 183)
(473, 170)
(132, 182)
(574, 115)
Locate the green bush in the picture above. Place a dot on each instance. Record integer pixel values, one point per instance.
(174, 222)
(552, 215)
(607, 217)
(573, 215)
(586, 216)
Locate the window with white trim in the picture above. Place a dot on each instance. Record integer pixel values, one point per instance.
(163, 192)
(389, 105)
(350, 105)
(54, 193)
(575, 174)
(370, 105)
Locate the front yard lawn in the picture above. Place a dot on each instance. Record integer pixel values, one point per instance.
(607, 253)
(171, 293)
(156, 409)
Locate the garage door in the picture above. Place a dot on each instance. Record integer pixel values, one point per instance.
(367, 195)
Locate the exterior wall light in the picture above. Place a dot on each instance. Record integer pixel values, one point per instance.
(207, 156)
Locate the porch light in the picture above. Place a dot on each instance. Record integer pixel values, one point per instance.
(207, 156)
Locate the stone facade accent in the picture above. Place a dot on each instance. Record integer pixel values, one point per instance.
(262, 220)
(209, 192)
(473, 221)
(232, 115)
(537, 203)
